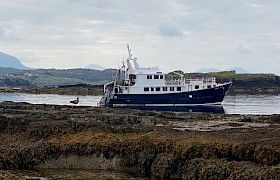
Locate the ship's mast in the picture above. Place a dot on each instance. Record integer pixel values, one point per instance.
(129, 54)
(130, 58)
(129, 67)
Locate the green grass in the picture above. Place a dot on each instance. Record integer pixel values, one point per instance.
(230, 74)
(52, 80)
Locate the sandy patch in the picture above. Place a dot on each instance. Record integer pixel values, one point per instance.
(215, 125)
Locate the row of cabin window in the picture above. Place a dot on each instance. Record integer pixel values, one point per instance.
(155, 76)
(170, 88)
(162, 89)
(197, 86)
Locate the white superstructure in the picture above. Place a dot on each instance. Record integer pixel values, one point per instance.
(150, 80)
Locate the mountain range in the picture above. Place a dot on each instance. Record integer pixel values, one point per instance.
(11, 61)
(13, 73)
(94, 66)
(8, 61)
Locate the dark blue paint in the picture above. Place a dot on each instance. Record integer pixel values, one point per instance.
(205, 96)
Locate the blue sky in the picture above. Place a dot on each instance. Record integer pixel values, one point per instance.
(179, 34)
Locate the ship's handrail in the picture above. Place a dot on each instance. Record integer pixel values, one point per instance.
(206, 80)
(173, 82)
(148, 68)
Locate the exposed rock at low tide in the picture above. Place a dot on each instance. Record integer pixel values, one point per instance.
(160, 145)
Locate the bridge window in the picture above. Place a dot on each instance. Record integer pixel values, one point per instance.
(161, 76)
(149, 77)
(156, 76)
(152, 89)
(196, 86)
(146, 89)
(171, 89)
(164, 88)
(157, 88)
(178, 88)
(132, 76)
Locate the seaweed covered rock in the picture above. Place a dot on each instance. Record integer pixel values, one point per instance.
(160, 145)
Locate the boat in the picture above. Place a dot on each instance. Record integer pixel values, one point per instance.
(136, 86)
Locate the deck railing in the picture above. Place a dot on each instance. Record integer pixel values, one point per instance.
(209, 80)
(173, 82)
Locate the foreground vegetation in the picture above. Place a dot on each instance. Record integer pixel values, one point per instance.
(160, 145)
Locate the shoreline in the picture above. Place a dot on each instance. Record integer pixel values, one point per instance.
(81, 91)
(155, 144)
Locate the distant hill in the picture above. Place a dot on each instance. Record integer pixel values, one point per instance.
(54, 77)
(11, 61)
(205, 70)
(95, 67)
(12, 77)
(238, 70)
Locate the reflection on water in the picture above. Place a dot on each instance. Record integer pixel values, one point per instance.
(252, 104)
(89, 174)
(239, 104)
(197, 108)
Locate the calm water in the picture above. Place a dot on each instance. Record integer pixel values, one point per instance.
(239, 104)
(252, 104)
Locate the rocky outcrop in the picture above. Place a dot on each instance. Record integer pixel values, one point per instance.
(73, 90)
(152, 143)
(15, 82)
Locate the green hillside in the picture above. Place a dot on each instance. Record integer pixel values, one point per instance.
(54, 77)
(242, 83)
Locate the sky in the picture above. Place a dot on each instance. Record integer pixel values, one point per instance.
(182, 35)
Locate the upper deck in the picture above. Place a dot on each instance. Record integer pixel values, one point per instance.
(133, 79)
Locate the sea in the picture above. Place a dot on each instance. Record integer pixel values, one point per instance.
(232, 104)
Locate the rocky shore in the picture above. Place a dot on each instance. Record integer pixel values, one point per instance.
(73, 90)
(158, 145)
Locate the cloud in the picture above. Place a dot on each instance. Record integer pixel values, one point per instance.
(7, 33)
(169, 29)
(2, 32)
(244, 48)
(197, 34)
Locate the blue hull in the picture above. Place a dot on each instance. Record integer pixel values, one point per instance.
(206, 96)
